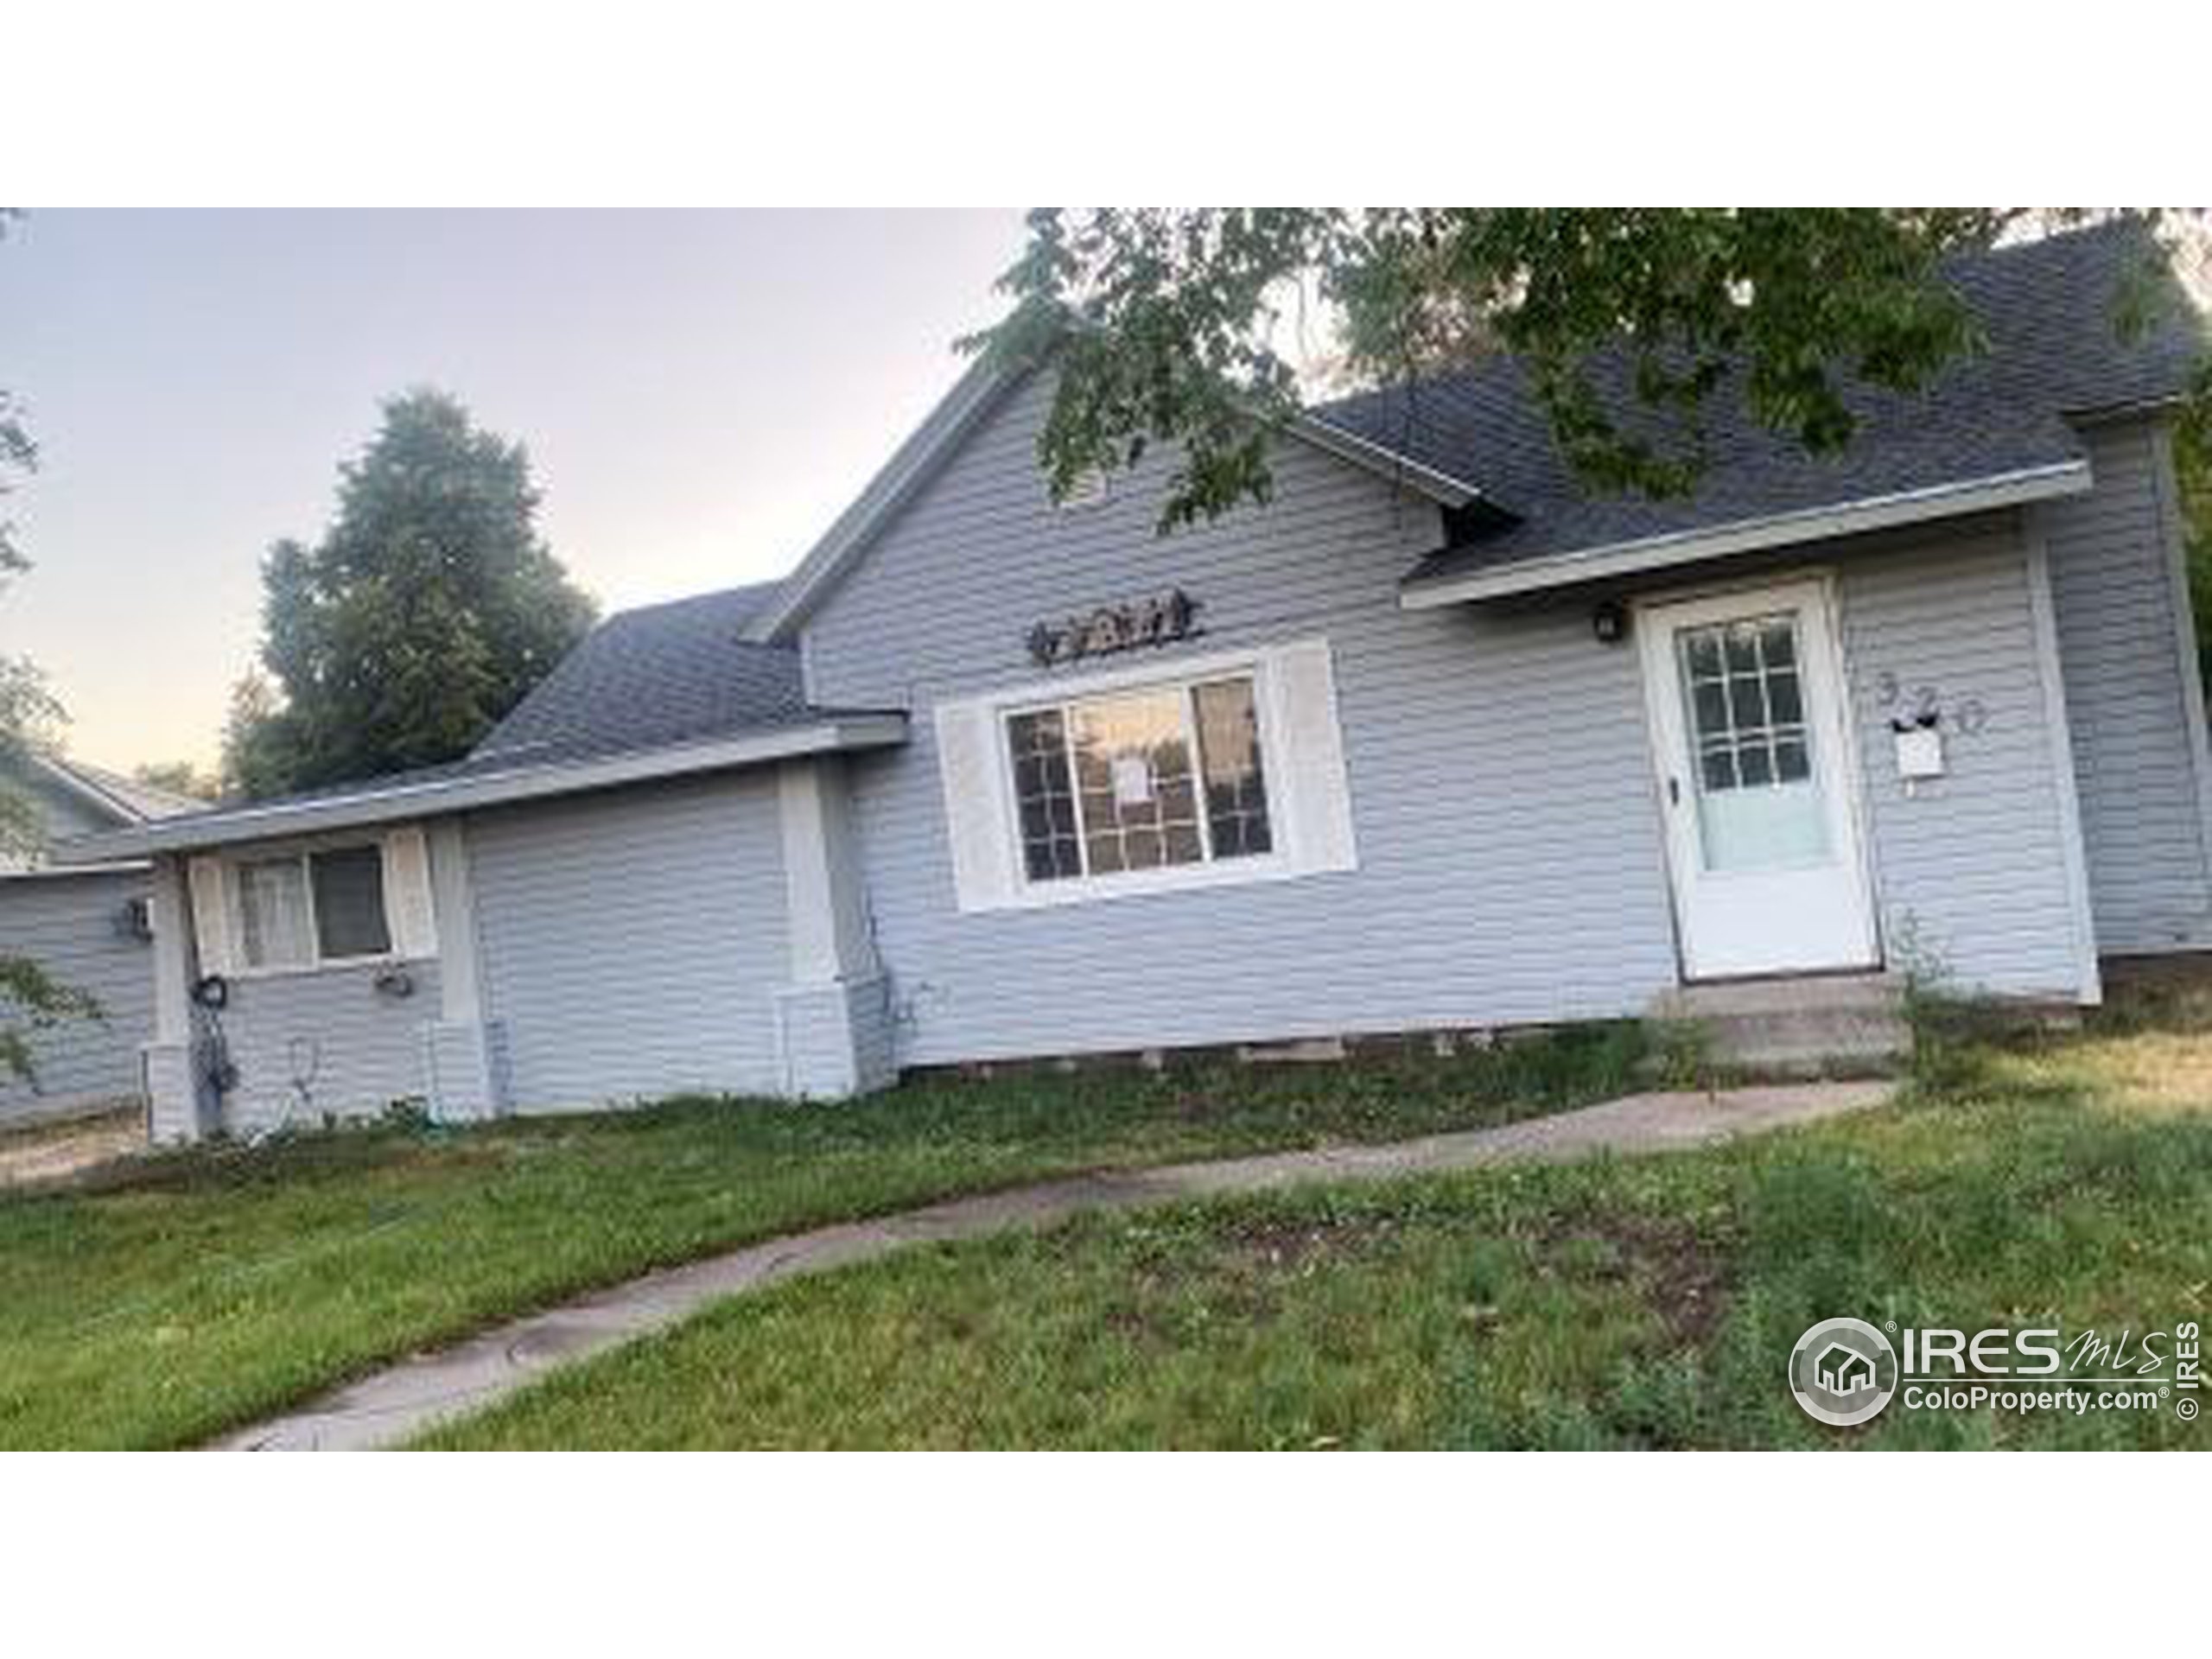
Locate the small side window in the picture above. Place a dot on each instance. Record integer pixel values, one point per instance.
(349, 913)
(310, 908)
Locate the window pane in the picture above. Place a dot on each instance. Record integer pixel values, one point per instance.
(1743, 648)
(1133, 764)
(1050, 851)
(1235, 782)
(349, 902)
(273, 912)
(1710, 700)
(1745, 703)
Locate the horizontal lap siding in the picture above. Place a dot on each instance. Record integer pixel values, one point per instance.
(632, 941)
(1971, 869)
(2113, 591)
(1510, 863)
(324, 1044)
(67, 925)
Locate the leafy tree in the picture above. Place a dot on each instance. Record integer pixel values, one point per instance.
(258, 757)
(1171, 326)
(2193, 466)
(178, 777)
(30, 998)
(422, 617)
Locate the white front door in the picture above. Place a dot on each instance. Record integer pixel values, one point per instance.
(1745, 692)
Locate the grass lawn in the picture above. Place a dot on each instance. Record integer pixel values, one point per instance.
(1634, 1303)
(187, 1294)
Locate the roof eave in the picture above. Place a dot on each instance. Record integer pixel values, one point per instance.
(85, 789)
(371, 805)
(1620, 559)
(1440, 488)
(911, 464)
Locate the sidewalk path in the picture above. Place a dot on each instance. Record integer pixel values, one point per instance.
(393, 1405)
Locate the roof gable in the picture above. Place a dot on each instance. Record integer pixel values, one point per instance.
(933, 444)
(71, 797)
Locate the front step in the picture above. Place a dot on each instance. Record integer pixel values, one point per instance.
(1797, 1025)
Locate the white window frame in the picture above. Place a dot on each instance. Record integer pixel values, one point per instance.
(1184, 682)
(300, 852)
(1302, 752)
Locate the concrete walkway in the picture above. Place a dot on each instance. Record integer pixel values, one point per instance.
(394, 1405)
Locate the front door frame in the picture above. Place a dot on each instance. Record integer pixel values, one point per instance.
(1818, 594)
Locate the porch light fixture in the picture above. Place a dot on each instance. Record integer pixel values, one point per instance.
(1609, 621)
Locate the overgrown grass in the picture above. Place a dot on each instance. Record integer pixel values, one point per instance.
(1644, 1303)
(160, 1304)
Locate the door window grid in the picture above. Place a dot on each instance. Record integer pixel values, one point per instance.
(1107, 786)
(1747, 704)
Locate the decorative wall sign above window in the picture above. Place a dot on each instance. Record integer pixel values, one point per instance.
(1163, 620)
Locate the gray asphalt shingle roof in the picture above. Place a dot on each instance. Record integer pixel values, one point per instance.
(2049, 309)
(661, 674)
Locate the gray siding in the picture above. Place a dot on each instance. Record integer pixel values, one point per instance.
(632, 941)
(329, 1043)
(1970, 868)
(2112, 584)
(1510, 865)
(68, 925)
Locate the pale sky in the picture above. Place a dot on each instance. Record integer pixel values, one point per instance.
(700, 394)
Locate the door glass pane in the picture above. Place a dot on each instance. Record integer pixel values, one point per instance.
(349, 915)
(1759, 803)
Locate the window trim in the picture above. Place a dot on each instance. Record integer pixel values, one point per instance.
(299, 852)
(1182, 676)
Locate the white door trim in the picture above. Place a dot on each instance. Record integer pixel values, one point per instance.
(1657, 618)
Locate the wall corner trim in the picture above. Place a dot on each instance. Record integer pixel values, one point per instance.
(2167, 484)
(2043, 616)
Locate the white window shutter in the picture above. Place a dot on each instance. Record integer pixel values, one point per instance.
(1311, 759)
(975, 809)
(407, 903)
(211, 916)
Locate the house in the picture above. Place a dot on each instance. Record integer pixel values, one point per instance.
(87, 925)
(1842, 1369)
(1435, 740)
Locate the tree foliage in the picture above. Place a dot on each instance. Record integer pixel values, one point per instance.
(178, 778)
(31, 999)
(2193, 468)
(426, 612)
(1175, 326)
